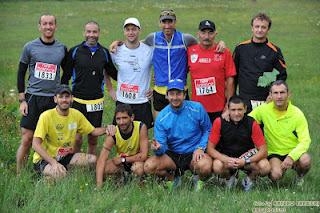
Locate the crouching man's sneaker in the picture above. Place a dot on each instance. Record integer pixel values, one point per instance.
(247, 184)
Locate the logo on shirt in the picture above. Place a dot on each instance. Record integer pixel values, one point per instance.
(194, 58)
(263, 57)
(205, 60)
(59, 127)
(217, 57)
(72, 126)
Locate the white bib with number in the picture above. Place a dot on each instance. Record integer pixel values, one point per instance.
(205, 86)
(255, 104)
(45, 71)
(129, 91)
(95, 107)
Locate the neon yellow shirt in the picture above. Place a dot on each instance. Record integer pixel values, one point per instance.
(131, 146)
(286, 133)
(57, 131)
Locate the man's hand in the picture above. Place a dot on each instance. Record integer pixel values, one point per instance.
(23, 108)
(287, 163)
(225, 115)
(220, 47)
(269, 99)
(234, 163)
(111, 130)
(117, 160)
(114, 46)
(239, 163)
(155, 145)
(58, 170)
(149, 93)
(198, 154)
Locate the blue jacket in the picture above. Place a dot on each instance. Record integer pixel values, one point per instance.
(184, 130)
(169, 59)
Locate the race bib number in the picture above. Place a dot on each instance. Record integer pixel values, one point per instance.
(94, 107)
(205, 86)
(129, 91)
(63, 151)
(45, 71)
(255, 104)
(249, 153)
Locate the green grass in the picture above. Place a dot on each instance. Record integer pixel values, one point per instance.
(295, 28)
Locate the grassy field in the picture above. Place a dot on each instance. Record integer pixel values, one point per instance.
(295, 28)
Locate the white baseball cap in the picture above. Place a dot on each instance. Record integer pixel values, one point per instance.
(133, 21)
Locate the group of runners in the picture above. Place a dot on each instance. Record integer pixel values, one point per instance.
(217, 132)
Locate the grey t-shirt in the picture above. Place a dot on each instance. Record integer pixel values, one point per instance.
(188, 40)
(44, 66)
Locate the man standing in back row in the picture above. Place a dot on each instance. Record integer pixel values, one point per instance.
(259, 63)
(43, 56)
(211, 72)
(89, 63)
(133, 62)
(169, 56)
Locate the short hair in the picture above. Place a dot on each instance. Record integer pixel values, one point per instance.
(92, 22)
(262, 16)
(55, 18)
(123, 108)
(279, 82)
(235, 99)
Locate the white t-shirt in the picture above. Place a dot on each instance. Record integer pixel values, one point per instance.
(134, 73)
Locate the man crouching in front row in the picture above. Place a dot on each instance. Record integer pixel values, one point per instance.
(55, 137)
(238, 144)
(131, 141)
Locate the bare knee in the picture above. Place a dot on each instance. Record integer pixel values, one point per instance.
(26, 137)
(264, 167)
(276, 174)
(82, 159)
(150, 166)
(305, 161)
(204, 166)
(218, 167)
(137, 168)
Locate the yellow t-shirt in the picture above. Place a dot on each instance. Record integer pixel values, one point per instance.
(57, 131)
(131, 146)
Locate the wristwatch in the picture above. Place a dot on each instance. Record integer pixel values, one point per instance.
(123, 159)
(247, 160)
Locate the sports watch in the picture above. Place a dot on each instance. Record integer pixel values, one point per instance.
(247, 160)
(123, 159)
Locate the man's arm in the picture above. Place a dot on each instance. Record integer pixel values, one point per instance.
(189, 40)
(215, 154)
(109, 87)
(109, 67)
(281, 66)
(259, 141)
(236, 60)
(101, 162)
(142, 155)
(56, 166)
(160, 136)
(21, 88)
(302, 133)
(67, 67)
(149, 40)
